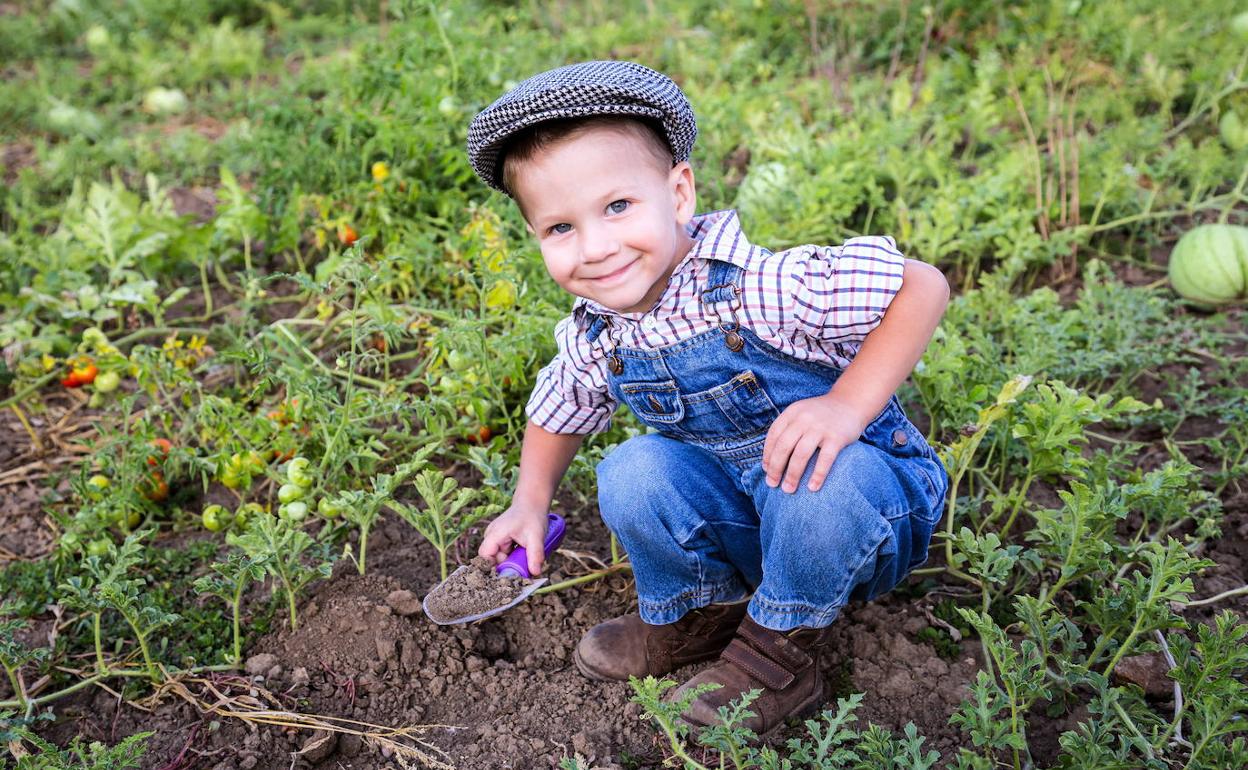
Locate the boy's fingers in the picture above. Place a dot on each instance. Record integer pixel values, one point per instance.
(827, 456)
(491, 548)
(798, 461)
(534, 548)
(774, 433)
(775, 462)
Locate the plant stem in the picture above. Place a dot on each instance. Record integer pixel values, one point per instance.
(1122, 649)
(147, 656)
(290, 600)
(1018, 505)
(76, 686)
(1224, 595)
(238, 635)
(26, 391)
(99, 646)
(364, 552)
(19, 691)
(592, 576)
(207, 291)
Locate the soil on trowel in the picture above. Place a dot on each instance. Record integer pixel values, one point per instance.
(472, 590)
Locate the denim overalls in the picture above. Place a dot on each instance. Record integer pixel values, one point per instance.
(691, 503)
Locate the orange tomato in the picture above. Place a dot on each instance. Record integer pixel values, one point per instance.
(164, 445)
(156, 488)
(81, 373)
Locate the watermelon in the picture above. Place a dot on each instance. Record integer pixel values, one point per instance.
(1209, 265)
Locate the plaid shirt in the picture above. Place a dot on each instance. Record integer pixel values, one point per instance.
(815, 303)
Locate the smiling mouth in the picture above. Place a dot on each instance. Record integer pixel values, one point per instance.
(615, 274)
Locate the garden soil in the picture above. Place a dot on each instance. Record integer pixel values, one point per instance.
(503, 692)
(500, 693)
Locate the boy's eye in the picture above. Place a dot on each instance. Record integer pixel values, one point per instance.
(617, 207)
(559, 229)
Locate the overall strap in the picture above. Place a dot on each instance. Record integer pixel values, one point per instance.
(725, 289)
(596, 324)
(724, 282)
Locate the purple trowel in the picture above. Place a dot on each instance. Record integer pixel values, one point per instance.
(516, 565)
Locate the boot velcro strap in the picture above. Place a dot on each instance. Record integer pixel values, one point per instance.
(775, 645)
(773, 675)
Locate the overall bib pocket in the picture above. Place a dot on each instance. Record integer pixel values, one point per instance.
(654, 402)
(742, 401)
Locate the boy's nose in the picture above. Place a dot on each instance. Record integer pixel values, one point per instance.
(597, 245)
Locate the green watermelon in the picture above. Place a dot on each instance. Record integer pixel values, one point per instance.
(1209, 265)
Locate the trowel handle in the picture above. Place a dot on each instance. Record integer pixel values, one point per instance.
(517, 562)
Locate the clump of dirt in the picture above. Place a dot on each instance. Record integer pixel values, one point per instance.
(471, 590)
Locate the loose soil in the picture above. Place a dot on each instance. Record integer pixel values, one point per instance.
(472, 590)
(503, 692)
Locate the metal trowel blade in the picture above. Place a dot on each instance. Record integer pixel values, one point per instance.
(528, 590)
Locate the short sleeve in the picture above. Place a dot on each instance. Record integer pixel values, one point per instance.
(840, 293)
(571, 395)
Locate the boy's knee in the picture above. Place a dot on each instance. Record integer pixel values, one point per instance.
(635, 462)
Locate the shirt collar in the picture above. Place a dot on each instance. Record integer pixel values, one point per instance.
(716, 234)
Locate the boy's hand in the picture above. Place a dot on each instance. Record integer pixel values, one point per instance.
(824, 424)
(517, 525)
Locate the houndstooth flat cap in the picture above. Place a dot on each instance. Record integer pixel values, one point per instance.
(579, 90)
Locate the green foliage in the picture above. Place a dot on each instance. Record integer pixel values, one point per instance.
(362, 508)
(106, 583)
(443, 520)
(231, 579)
(78, 755)
(830, 741)
(1042, 154)
(288, 554)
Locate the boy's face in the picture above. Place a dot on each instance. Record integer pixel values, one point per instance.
(609, 216)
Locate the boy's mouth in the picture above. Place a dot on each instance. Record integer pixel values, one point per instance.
(614, 276)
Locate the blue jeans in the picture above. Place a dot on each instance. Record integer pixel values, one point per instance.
(691, 505)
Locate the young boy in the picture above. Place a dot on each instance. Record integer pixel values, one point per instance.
(782, 479)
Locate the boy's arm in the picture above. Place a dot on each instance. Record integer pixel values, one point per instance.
(544, 458)
(887, 356)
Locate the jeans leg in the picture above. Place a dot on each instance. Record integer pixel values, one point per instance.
(821, 547)
(684, 523)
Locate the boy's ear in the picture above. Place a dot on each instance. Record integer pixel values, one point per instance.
(684, 191)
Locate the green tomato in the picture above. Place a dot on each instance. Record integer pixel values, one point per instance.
(107, 382)
(289, 493)
(328, 509)
(458, 361)
(215, 518)
(98, 547)
(297, 511)
(246, 513)
(127, 518)
(297, 472)
(1239, 24)
(96, 486)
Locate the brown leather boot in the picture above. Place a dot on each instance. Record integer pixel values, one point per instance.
(628, 646)
(783, 664)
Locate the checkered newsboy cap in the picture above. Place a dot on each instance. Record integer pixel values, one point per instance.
(580, 90)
